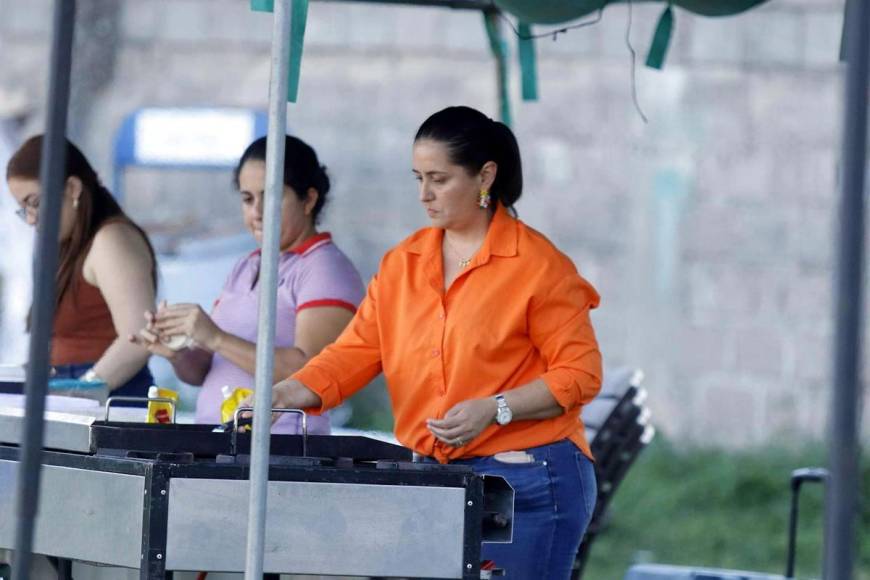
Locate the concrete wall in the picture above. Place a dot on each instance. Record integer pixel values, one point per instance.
(708, 230)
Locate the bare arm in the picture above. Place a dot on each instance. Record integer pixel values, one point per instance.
(119, 264)
(465, 420)
(289, 394)
(191, 365)
(315, 328)
(531, 401)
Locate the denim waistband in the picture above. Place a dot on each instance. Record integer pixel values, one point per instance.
(537, 451)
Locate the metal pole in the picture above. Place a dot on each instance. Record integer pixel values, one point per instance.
(273, 195)
(51, 178)
(792, 530)
(840, 542)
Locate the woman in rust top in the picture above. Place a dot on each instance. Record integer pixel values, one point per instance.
(482, 330)
(106, 275)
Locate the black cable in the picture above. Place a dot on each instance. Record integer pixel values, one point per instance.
(633, 65)
(552, 33)
(555, 33)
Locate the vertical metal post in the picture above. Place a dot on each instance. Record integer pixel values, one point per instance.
(840, 541)
(792, 531)
(273, 194)
(51, 177)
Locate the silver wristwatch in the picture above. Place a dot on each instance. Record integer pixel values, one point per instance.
(503, 414)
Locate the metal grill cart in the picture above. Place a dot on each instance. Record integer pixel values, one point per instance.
(166, 498)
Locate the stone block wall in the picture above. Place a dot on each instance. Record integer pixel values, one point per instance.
(708, 230)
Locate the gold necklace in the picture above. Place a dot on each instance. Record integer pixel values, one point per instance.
(463, 262)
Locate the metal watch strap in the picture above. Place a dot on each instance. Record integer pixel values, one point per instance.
(503, 413)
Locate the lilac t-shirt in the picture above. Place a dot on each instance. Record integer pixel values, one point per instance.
(315, 274)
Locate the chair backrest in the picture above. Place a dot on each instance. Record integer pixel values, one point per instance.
(663, 572)
(618, 429)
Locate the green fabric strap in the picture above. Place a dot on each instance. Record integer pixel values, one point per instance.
(499, 49)
(297, 40)
(528, 66)
(662, 38)
(263, 5)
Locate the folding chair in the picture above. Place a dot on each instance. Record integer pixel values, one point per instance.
(618, 429)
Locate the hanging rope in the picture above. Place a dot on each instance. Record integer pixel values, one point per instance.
(633, 64)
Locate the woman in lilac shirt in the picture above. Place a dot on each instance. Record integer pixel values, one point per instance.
(318, 292)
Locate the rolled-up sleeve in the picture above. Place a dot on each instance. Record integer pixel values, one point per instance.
(561, 330)
(351, 362)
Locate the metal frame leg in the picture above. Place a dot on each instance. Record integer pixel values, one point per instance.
(155, 519)
(64, 569)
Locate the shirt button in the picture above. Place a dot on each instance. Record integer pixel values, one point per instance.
(435, 352)
(440, 316)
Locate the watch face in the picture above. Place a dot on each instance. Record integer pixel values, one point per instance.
(504, 416)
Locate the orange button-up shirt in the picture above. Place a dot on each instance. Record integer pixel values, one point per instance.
(518, 312)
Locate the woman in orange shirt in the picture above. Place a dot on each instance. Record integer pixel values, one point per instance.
(481, 328)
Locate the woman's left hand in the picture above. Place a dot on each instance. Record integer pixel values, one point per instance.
(188, 320)
(464, 421)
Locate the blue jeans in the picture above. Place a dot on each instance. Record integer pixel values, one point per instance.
(554, 497)
(137, 386)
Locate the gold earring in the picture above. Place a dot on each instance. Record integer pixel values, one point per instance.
(483, 199)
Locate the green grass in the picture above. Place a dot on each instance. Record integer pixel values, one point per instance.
(707, 507)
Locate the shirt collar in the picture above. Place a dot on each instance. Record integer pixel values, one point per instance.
(501, 238)
(314, 241)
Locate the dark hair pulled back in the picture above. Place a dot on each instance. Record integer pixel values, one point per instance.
(472, 139)
(302, 169)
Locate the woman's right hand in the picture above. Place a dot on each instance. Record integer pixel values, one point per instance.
(288, 394)
(149, 339)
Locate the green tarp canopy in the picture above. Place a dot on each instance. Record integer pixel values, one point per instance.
(559, 11)
(527, 13)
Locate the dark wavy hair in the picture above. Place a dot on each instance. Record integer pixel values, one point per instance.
(96, 207)
(472, 139)
(302, 169)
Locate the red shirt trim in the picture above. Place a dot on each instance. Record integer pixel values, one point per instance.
(304, 246)
(326, 302)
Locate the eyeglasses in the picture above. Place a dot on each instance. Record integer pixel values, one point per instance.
(31, 208)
